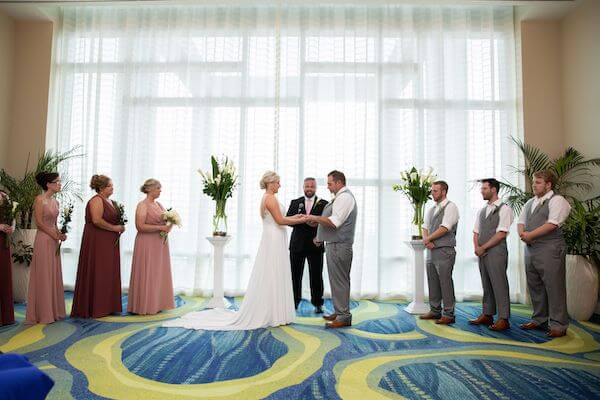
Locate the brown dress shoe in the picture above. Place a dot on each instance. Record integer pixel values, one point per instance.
(445, 320)
(482, 320)
(531, 326)
(330, 317)
(336, 324)
(500, 325)
(556, 333)
(429, 315)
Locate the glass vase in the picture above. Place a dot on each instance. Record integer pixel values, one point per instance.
(220, 220)
(418, 219)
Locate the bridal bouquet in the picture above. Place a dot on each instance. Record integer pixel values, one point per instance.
(121, 217)
(66, 217)
(7, 213)
(171, 217)
(219, 184)
(416, 185)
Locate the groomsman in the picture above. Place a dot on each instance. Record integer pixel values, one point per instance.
(489, 240)
(303, 248)
(440, 238)
(545, 255)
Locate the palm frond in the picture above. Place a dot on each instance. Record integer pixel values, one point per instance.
(535, 158)
(7, 182)
(25, 190)
(514, 196)
(570, 159)
(50, 160)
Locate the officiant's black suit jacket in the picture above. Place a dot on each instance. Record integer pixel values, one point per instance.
(302, 234)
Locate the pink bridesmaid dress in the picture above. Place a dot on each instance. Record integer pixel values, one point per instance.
(151, 285)
(46, 295)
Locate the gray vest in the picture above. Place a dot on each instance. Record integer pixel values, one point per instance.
(488, 226)
(538, 218)
(345, 232)
(449, 239)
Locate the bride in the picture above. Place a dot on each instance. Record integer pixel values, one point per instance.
(269, 299)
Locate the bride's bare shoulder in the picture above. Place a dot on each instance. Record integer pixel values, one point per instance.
(269, 198)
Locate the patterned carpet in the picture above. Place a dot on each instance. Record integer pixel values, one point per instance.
(386, 354)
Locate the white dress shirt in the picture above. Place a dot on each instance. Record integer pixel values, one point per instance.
(450, 215)
(505, 214)
(342, 206)
(558, 208)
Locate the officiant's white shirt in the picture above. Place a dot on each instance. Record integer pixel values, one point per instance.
(342, 207)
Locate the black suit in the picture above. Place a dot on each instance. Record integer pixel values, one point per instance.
(302, 248)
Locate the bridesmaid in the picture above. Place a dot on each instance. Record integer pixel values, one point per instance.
(45, 300)
(7, 312)
(151, 286)
(98, 284)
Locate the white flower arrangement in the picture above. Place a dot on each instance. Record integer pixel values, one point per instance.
(219, 183)
(171, 217)
(416, 185)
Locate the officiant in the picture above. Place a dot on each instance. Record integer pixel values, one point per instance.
(302, 247)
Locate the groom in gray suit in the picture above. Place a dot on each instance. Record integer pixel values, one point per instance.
(336, 228)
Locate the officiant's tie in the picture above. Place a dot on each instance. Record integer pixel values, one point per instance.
(308, 206)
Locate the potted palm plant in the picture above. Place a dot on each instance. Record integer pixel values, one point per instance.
(24, 191)
(582, 235)
(573, 173)
(574, 180)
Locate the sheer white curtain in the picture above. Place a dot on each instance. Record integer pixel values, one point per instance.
(369, 90)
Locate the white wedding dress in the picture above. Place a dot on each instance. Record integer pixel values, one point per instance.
(269, 299)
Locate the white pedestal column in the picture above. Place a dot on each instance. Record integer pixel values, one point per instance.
(218, 300)
(418, 305)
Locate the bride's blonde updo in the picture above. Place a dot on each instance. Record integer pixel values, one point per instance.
(268, 177)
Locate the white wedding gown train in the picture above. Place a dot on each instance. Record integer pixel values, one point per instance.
(269, 299)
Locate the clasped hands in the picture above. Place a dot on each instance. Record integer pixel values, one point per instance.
(526, 237)
(428, 243)
(310, 220)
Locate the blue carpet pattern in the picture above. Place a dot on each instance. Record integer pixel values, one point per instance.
(387, 353)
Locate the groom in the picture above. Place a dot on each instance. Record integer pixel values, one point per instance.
(336, 228)
(302, 246)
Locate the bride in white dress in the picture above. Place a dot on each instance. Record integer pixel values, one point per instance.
(269, 299)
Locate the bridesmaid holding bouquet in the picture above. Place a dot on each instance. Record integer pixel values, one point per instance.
(151, 286)
(45, 299)
(98, 284)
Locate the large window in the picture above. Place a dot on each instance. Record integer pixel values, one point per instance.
(154, 91)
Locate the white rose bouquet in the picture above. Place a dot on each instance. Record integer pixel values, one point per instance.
(171, 217)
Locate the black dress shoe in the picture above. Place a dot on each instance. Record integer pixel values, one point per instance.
(318, 310)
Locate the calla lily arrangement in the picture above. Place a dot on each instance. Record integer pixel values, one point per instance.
(416, 185)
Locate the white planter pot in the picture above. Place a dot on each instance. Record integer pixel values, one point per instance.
(20, 272)
(582, 287)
